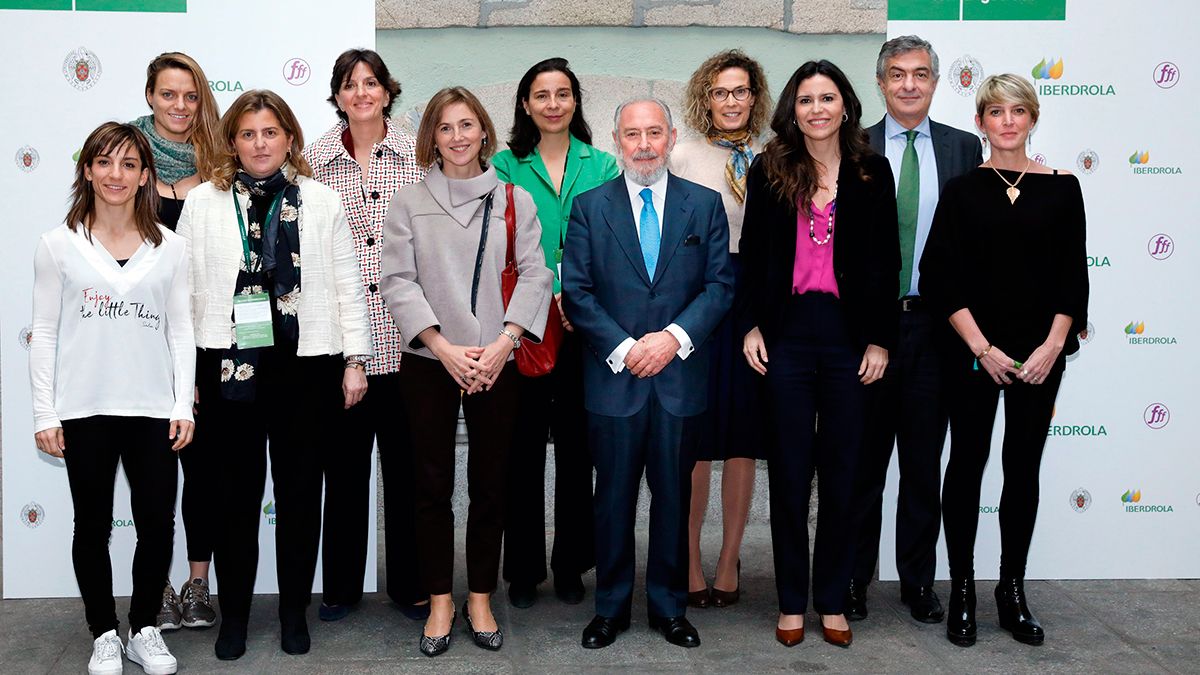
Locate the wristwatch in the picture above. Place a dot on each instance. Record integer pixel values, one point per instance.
(511, 336)
(356, 361)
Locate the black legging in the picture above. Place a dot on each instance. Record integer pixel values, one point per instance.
(93, 447)
(972, 398)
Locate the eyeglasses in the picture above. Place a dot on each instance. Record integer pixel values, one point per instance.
(739, 94)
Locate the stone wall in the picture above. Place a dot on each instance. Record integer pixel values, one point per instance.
(793, 16)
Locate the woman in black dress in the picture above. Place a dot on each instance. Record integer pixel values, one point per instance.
(1006, 263)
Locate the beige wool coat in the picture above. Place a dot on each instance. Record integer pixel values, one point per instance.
(431, 238)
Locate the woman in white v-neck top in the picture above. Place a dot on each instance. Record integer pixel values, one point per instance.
(112, 365)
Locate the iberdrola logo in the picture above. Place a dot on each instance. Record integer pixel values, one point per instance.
(1135, 328)
(268, 510)
(1051, 70)
(1132, 496)
(1139, 163)
(1139, 157)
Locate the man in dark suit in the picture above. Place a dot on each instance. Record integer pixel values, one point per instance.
(906, 406)
(646, 278)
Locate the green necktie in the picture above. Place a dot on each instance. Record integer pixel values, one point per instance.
(908, 199)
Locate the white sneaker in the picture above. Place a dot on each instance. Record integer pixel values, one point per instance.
(106, 655)
(148, 650)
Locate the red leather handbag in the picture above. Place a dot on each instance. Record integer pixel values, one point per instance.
(533, 360)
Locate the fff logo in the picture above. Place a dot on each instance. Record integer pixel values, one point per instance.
(1160, 246)
(1156, 416)
(296, 71)
(1166, 75)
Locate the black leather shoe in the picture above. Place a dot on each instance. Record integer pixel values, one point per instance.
(922, 603)
(856, 600)
(414, 612)
(231, 640)
(960, 622)
(1015, 616)
(677, 630)
(522, 596)
(569, 588)
(332, 612)
(433, 645)
(293, 634)
(603, 631)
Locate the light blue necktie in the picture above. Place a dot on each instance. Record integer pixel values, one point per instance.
(648, 229)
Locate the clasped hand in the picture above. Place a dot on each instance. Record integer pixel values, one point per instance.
(651, 353)
(476, 369)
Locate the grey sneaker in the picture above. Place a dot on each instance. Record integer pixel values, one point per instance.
(197, 609)
(171, 613)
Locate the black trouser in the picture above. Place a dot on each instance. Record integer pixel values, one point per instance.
(296, 402)
(663, 446)
(93, 447)
(905, 409)
(553, 403)
(347, 465)
(819, 406)
(432, 400)
(972, 398)
(197, 503)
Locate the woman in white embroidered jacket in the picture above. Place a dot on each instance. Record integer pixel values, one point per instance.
(275, 344)
(111, 296)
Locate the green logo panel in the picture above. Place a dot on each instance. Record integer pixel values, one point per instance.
(977, 10)
(174, 6)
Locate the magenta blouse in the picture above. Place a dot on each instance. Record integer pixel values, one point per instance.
(812, 271)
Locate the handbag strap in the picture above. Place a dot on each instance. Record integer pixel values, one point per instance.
(510, 223)
(483, 234)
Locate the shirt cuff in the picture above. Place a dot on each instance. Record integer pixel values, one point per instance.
(685, 342)
(616, 360)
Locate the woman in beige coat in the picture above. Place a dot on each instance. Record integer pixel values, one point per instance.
(444, 250)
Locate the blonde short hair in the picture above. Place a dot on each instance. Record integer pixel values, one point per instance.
(1007, 88)
(254, 101)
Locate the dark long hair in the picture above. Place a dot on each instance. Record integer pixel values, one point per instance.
(524, 136)
(107, 138)
(791, 170)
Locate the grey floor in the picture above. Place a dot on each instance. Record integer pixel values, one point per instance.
(1092, 627)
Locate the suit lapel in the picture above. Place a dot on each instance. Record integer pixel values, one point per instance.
(677, 212)
(619, 217)
(539, 169)
(943, 153)
(574, 164)
(876, 139)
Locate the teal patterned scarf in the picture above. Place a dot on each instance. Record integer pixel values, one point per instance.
(172, 160)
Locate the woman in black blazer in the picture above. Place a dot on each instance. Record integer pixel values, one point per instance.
(827, 317)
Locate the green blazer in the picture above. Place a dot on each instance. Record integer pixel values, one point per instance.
(587, 168)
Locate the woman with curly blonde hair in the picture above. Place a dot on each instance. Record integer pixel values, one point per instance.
(727, 102)
(281, 322)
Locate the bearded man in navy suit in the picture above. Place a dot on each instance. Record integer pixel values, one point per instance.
(646, 278)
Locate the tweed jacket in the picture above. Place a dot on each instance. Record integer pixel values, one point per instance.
(332, 310)
(431, 238)
(393, 166)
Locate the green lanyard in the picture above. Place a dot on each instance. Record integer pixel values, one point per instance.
(242, 224)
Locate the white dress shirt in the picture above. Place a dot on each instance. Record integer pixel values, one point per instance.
(658, 189)
(895, 142)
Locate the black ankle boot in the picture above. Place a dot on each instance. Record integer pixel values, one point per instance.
(960, 618)
(231, 639)
(1015, 616)
(293, 633)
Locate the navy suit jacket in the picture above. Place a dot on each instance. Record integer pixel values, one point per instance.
(608, 296)
(955, 151)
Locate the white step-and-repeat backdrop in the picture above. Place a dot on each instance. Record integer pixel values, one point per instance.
(69, 65)
(1116, 79)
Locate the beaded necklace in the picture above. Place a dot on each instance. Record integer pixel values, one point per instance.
(812, 225)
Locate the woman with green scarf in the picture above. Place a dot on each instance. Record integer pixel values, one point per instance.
(727, 103)
(180, 129)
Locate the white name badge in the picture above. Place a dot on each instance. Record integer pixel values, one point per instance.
(252, 321)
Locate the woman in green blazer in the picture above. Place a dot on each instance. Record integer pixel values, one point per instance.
(550, 155)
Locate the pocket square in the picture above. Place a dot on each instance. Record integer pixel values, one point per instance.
(692, 240)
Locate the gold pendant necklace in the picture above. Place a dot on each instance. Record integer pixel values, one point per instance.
(1012, 190)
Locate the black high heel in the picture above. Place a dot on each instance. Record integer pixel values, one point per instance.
(1015, 616)
(722, 598)
(487, 639)
(432, 645)
(960, 619)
